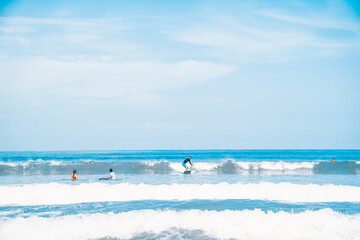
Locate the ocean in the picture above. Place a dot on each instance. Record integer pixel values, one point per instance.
(230, 194)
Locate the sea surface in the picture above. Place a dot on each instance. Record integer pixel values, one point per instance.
(230, 194)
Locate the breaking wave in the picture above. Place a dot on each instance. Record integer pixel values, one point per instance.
(91, 167)
(189, 224)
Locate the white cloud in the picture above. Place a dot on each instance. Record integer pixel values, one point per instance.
(134, 81)
(274, 35)
(66, 37)
(316, 20)
(84, 23)
(87, 59)
(260, 45)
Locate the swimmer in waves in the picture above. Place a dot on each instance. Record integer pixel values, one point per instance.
(74, 176)
(111, 177)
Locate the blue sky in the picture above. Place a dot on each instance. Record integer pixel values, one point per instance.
(179, 74)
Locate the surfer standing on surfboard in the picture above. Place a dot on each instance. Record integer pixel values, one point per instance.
(186, 161)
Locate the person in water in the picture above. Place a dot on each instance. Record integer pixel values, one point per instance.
(185, 163)
(112, 175)
(74, 176)
(333, 160)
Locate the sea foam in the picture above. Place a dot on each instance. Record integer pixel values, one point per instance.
(246, 224)
(56, 193)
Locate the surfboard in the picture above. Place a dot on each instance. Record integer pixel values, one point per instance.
(187, 172)
(103, 179)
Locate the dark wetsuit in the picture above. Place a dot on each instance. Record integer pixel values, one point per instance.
(185, 161)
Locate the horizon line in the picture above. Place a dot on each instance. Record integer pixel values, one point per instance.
(204, 149)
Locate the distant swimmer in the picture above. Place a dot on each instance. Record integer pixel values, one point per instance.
(185, 163)
(333, 160)
(74, 176)
(112, 175)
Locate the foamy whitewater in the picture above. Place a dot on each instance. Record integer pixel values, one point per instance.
(231, 194)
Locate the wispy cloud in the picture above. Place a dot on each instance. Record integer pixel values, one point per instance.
(112, 81)
(274, 34)
(66, 37)
(85, 59)
(62, 52)
(315, 20)
(83, 23)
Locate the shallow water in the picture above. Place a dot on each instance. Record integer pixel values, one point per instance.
(230, 194)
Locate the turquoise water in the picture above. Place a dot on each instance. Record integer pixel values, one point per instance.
(230, 194)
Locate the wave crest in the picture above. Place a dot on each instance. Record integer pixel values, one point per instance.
(228, 166)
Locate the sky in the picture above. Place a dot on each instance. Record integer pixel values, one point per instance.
(117, 75)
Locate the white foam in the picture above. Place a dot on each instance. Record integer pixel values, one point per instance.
(17, 211)
(199, 167)
(246, 224)
(56, 193)
(153, 163)
(10, 164)
(177, 167)
(55, 163)
(276, 166)
(208, 167)
(204, 166)
(31, 162)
